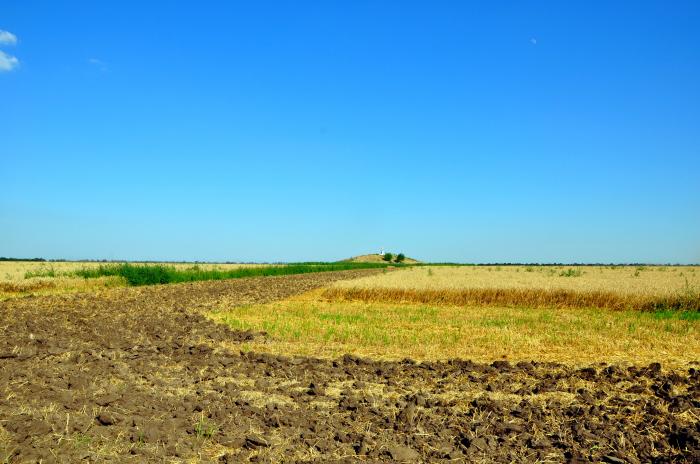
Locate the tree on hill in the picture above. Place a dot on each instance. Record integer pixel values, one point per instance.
(400, 257)
(387, 257)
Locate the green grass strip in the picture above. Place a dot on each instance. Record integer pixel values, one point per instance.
(153, 274)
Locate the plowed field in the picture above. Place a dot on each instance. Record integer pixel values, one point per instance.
(141, 375)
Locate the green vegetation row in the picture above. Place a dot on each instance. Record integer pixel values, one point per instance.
(153, 274)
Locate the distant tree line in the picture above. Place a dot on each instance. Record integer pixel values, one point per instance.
(388, 257)
(560, 264)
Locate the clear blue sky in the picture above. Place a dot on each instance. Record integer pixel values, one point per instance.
(264, 131)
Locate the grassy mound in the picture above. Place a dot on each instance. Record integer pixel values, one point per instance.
(374, 258)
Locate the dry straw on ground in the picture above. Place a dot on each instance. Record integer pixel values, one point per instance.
(486, 313)
(311, 326)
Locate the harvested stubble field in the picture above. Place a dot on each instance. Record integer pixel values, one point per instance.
(143, 374)
(484, 313)
(313, 325)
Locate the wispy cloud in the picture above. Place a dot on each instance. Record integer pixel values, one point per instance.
(7, 62)
(101, 65)
(7, 38)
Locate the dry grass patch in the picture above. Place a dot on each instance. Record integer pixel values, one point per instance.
(430, 332)
(56, 285)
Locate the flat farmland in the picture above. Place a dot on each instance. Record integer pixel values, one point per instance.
(353, 366)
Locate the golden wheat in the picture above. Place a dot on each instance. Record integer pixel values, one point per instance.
(615, 287)
(535, 298)
(628, 280)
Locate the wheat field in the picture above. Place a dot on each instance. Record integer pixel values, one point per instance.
(627, 280)
(615, 287)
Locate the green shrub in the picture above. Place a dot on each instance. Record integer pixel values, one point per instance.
(400, 257)
(571, 273)
(387, 257)
(42, 272)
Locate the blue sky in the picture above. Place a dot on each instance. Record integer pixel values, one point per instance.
(263, 131)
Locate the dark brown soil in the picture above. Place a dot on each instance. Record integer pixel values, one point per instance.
(140, 375)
